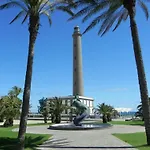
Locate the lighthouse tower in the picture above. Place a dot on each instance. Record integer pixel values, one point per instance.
(77, 63)
(78, 88)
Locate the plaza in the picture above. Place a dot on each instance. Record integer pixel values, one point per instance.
(86, 140)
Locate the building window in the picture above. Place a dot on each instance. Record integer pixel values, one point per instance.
(75, 69)
(74, 45)
(75, 57)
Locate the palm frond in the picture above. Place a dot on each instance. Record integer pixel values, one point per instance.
(43, 4)
(144, 8)
(12, 4)
(126, 14)
(25, 18)
(96, 9)
(123, 16)
(94, 23)
(105, 17)
(48, 16)
(65, 9)
(80, 13)
(20, 14)
(81, 3)
(26, 2)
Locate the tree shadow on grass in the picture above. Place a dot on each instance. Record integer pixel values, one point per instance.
(136, 124)
(7, 143)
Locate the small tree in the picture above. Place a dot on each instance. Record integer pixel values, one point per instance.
(139, 113)
(103, 109)
(43, 108)
(10, 106)
(107, 111)
(56, 107)
(1, 110)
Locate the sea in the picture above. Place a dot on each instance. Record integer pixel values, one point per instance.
(127, 114)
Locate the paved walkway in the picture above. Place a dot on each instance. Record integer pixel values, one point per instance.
(86, 140)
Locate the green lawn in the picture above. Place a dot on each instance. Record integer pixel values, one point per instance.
(136, 122)
(137, 140)
(140, 123)
(39, 124)
(8, 139)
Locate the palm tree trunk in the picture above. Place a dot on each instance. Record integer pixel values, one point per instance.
(33, 30)
(104, 118)
(141, 76)
(45, 119)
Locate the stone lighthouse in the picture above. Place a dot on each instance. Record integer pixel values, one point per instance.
(77, 63)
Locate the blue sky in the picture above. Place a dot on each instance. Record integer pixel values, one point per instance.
(108, 63)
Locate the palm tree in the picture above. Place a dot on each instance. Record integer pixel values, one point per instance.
(11, 109)
(32, 10)
(10, 106)
(110, 113)
(43, 108)
(15, 91)
(1, 109)
(56, 107)
(106, 111)
(139, 113)
(109, 12)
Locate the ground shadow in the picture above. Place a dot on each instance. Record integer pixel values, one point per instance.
(64, 144)
(87, 147)
(11, 143)
(136, 124)
(55, 143)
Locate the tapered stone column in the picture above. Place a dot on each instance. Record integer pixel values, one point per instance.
(77, 63)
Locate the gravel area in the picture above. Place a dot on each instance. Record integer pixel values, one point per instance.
(86, 140)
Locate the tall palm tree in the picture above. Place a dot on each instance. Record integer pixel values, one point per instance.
(108, 12)
(31, 10)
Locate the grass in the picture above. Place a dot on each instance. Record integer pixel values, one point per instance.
(136, 122)
(8, 139)
(39, 124)
(138, 140)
